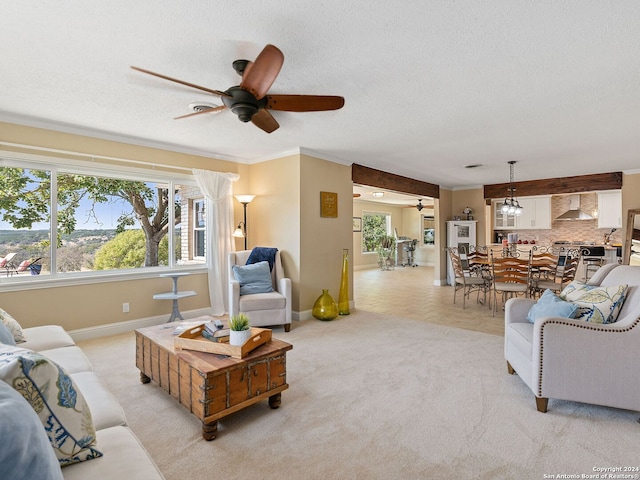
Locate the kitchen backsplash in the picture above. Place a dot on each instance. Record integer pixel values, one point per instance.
(571, 230)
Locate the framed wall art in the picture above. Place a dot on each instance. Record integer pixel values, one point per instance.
(329, 204)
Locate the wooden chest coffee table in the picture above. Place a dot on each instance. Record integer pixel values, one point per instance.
(211, 386)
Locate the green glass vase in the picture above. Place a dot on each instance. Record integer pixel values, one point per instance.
(343, 297)
(325, 307)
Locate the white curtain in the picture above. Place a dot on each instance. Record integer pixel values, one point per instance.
(217, 189)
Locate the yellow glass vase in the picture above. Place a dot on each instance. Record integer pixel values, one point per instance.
(343, 297)
(325, 307)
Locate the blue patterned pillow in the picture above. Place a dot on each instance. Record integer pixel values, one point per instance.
(595, 304)
(550, 305)
(56, 399)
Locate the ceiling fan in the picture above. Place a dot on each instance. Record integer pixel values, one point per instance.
(249, 100)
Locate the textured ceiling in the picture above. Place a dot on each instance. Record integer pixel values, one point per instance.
(429, 86)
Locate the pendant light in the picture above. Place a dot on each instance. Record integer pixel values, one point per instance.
(511, 205)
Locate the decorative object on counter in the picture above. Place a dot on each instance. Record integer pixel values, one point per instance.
(325, 307)
(511, 206)
(343, 295)
(607, 236)
(468, 212)
(239, 329)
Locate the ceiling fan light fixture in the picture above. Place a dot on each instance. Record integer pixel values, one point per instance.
(244, 111)
(201, 106)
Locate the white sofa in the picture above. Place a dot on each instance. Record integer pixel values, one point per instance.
(123, 455)
(572, 360)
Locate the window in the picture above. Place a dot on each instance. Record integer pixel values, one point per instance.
(73, 218)
(375, 226)
(199, 220)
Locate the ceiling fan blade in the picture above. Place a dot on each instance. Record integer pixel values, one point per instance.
(264, 120)
(304, 103)
(159, 75)
(259, 77)
(208, 110)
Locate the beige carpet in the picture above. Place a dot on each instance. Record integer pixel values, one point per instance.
(377, 397)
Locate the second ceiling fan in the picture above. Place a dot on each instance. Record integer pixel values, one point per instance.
(250, 100)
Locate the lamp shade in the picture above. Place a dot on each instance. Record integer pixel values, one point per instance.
(244, 198)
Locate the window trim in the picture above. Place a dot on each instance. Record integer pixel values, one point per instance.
(62, 164)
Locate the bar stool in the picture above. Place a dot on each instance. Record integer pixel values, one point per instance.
(592, 259)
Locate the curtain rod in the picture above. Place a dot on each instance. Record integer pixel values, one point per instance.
(93, 157)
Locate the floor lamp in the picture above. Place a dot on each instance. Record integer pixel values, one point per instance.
(242, 232)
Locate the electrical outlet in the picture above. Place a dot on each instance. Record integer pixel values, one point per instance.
(125, 308)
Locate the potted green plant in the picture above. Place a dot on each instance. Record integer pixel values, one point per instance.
(239, 329)
(386, 249)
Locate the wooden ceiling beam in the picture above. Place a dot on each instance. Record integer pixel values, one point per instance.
(389, 181)
(551, 186)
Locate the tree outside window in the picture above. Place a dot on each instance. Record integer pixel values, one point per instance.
(375, 226)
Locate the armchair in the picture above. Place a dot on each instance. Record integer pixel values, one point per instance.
(264, 309)
(572, 360)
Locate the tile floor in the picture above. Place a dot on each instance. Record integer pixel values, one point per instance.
(410, 292)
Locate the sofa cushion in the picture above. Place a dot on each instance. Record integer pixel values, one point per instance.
(13, 326)
(106, 411)
(253, 278)
(71, 359)
(46, 337)
(595, 304)
(262, 301)
(124, 458)
(25, 451)
(6, 337)
(550, 305)
(56, 399)
(521, 335)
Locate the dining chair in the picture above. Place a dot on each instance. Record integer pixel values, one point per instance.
(510, 277)
(543, 265)
(564, 274)
(466, 279)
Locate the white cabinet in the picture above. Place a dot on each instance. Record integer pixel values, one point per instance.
(536, 214)
(610, 209)
(502, 221)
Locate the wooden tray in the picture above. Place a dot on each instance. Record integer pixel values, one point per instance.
(192, 339)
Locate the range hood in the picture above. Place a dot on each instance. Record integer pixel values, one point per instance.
(574, 212)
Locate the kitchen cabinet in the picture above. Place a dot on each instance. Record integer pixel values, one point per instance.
(610, 209)
(536, 214)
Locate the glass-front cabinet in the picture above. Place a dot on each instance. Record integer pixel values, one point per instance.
(536, 214)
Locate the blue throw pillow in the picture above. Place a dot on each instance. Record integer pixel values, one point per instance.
(25, 451)
(254, 278)
(550, 305)
(6, 336)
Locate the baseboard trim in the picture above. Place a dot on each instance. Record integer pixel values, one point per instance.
(117, 328)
